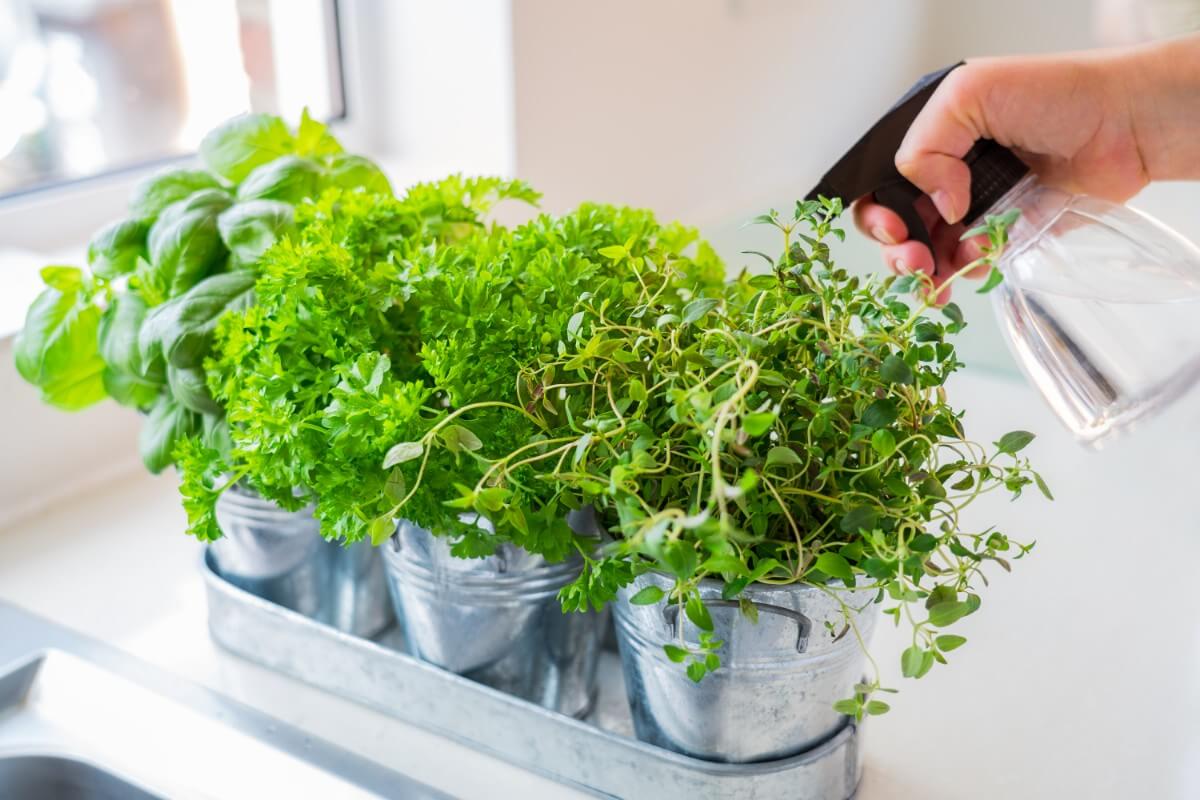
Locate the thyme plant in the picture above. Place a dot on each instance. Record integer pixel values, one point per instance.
(792, 429)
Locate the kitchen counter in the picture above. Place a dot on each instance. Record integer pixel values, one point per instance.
(1081, 677)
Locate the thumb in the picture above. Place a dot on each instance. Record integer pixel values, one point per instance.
(931, 155)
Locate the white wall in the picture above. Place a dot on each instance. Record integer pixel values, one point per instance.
(697, 109)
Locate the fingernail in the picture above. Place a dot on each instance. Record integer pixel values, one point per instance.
(900, 266)
(945, 205)
(880, 235)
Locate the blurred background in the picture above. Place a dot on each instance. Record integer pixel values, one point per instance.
(708, 111)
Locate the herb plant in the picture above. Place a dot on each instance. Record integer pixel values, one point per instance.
(137, 324)
(790, 428)
(407, 320)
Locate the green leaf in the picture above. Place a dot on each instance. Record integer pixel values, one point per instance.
(575, 323)
(637, 390)
(167, 424)
(188, 386)
(953, 313)
(758, 423)
(1014, 441)
(948, 641)
(314, 139)
(895, 370)
(234, 148)
(289, 179)
(880, 414)
(355, 172)
(613, 251)
(912, 661)
(396, 487)
(457, 439)
(883, 442)
(697, 612)
(834, 566)
(185, 327)
(698, 309)
(696, 671)
(675, 653)
(948, 612)
(58, 349)
(249, 229)
(581, 449)
(859, 519)
(994, 279)
(402, 452)
(116, 248)
(1042, 487)
(782, 455)
(184, 243)
(153, 194)
(877, 707)
(923, 543)
(648, 596)
(118, 334)
(381, 528)
(849, 707)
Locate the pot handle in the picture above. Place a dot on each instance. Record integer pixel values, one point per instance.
(803, 623)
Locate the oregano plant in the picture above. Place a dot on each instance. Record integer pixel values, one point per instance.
(792, 427)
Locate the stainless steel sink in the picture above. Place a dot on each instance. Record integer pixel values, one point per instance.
(63, 779)
(79, 719)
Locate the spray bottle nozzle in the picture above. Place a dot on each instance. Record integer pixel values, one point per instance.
(869, 167)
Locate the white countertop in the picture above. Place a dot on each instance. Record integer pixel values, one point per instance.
(1081, 677)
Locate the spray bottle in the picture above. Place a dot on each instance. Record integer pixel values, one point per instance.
(1100, 304)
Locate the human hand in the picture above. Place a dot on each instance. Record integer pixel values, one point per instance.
(1073, 118)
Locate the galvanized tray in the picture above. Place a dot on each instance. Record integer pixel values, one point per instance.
(598, 754)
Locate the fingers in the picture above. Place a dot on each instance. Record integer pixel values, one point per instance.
(932, 151)
(908, 258)
(972, 250)
(880, 223)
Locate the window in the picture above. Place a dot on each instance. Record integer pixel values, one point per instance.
(90, 87)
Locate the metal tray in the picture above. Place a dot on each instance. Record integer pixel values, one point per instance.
(598, 754)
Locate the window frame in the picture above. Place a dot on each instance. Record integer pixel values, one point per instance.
(51, 217)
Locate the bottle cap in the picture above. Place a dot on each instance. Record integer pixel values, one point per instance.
(869, 167)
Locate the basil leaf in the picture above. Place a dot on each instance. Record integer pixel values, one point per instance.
(184, 244)
(116, 248)
(167, 423)
(125, 377)
(249, 228)
(355, 172)
(118, 333)
(130, 390)
(153, 194)
(314, 139)
(233, 149)
(288, 178)
(189, 388)
(57, 350)
(186, 330)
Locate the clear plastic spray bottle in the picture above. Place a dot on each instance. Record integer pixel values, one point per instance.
(1100, 304)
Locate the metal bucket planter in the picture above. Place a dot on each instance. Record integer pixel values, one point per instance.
(496, 620)
(280, 556)
(779, 677)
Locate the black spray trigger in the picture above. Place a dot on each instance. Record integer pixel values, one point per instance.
(869, 167)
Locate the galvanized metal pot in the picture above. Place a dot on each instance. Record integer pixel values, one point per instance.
(496, 620)
(280, 556)
(779, 677)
